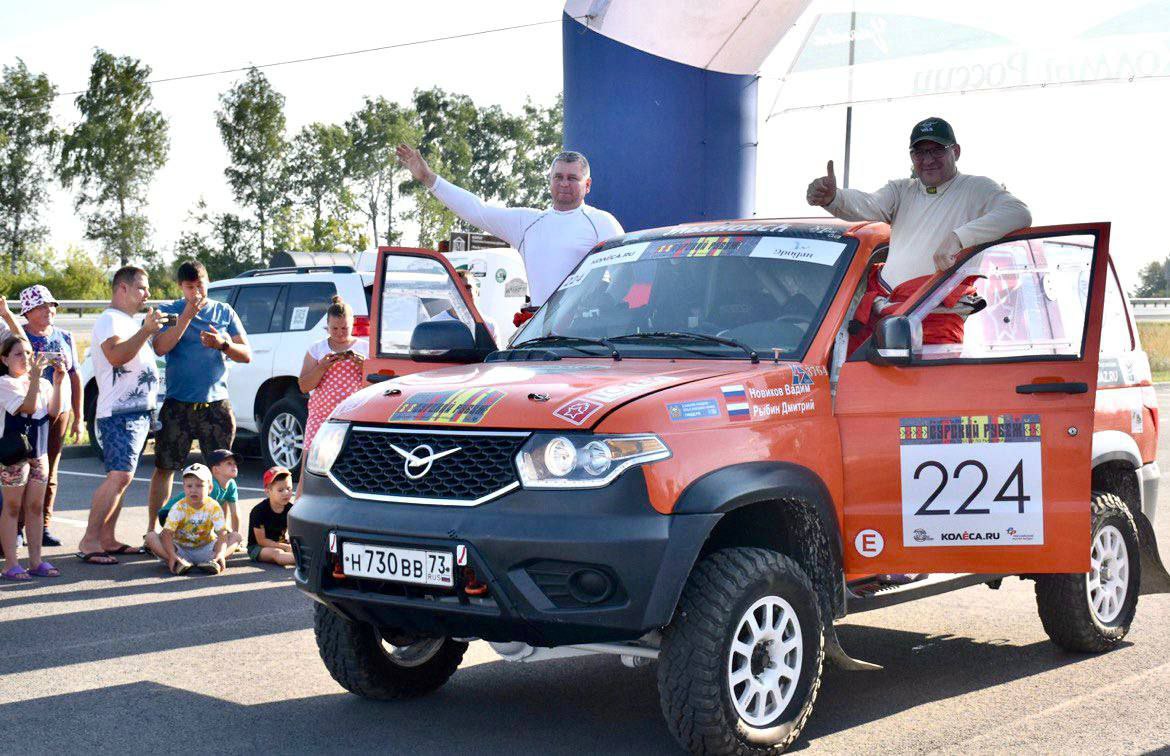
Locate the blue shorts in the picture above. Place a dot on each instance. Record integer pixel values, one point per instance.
(122, 439)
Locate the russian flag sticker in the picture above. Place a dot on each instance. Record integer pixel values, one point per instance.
(737, 404)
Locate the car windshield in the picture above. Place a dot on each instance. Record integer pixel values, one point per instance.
(670, 297)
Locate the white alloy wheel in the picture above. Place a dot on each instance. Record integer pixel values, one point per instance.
(1108, 578)
(415, 654)
(763, 666)
(286, 439)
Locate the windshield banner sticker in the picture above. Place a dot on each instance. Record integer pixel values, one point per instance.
(972, 481)
(581, 409)
(458, 407)
(693, 410)
(816, 251)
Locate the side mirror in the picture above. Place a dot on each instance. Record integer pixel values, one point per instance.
(444, 341)
(892, 339)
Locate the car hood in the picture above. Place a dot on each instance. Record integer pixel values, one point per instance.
(559, 395)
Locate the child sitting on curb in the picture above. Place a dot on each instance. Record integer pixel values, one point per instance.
(224, 470)
(194, 533)
(268, 522)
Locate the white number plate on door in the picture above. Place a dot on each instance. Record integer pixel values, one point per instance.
(971, 481)
(400, 565)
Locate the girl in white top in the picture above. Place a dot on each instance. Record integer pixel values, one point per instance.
(28, 401)
(332, 369)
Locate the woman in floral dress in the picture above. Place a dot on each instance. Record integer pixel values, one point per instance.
(332, 369)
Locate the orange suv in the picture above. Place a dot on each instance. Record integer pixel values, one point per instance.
(678, 460)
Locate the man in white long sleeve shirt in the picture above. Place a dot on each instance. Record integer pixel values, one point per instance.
(932, 217)
(550, 241)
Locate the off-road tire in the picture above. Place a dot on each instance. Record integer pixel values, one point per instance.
(1063, 600)
(354, 654)
(694, 673)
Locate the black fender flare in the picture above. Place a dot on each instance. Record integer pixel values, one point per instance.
(729, 488)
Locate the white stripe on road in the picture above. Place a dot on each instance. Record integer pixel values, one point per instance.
(70, 521)
(142, 480)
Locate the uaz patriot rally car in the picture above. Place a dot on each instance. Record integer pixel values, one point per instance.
(678, 459)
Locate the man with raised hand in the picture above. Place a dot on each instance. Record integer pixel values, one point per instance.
(550, 241)
(932, 216)
(202, 336)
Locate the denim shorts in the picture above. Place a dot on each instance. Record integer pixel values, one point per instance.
(122, 438)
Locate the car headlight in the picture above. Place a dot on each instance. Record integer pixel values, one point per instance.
(582, 460)
(326, 446)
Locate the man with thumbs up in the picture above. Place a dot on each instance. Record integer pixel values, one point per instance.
(932, 217)
(200, 338)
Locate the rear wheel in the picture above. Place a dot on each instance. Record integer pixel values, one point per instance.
(1092, 612)
(741, 661)
(384, 667)
(282, 433)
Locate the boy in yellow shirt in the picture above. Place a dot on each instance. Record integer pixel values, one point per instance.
(195, 533)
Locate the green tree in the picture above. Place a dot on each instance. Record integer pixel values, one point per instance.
(538, 141)
(1154, 280)
(113, 153)
(317, 174)
(27, 143)
(224, 242)
(374, 132)
(252, 124)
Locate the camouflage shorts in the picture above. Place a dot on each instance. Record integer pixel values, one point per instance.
(212, 424)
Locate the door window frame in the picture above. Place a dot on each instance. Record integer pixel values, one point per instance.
(380, 286)
(941, 279)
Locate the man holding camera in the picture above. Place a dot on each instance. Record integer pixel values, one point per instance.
(201, 335)
(127, 379)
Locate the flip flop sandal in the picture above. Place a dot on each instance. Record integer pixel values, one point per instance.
(96, 557)
(17, 573)
(127, 549)
(211, 568)
(45, 570)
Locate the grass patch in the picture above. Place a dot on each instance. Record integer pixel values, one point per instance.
(1155, 338)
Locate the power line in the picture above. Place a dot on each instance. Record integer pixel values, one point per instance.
(413, 43)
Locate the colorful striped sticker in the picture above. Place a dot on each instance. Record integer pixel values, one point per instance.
(460, 407)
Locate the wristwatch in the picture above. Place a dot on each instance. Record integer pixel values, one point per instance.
(225, 345)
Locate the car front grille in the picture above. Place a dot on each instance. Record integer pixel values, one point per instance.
(368, 467)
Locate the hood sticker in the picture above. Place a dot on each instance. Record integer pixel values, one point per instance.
(737, 404)
(693, 410)
(581, 409)
(457, 407)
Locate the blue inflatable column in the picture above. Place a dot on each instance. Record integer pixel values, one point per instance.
(667, 142)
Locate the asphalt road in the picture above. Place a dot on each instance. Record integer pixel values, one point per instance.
(128, 659)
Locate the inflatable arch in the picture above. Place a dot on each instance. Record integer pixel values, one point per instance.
(662, 94)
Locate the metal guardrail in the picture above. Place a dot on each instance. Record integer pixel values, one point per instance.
(1150, 308)
(1144, 308)
(82, 306)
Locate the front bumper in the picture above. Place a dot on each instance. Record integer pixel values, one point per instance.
(525, 546)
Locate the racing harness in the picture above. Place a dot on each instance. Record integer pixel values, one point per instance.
(944, 324)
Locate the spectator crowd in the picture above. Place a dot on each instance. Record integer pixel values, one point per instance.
(201, 525)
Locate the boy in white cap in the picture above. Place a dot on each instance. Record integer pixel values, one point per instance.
(195, 533)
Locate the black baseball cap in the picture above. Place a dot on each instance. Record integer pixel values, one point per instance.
(219, 455)
(933, 130)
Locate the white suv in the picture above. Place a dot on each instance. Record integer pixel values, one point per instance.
(283, 311)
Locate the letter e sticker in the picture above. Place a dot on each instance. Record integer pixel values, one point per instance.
(869, 543)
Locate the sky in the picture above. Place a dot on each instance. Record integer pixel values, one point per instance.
(1074, 154)
(58, 38)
